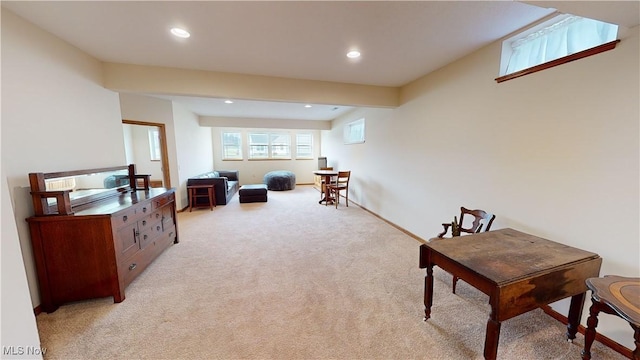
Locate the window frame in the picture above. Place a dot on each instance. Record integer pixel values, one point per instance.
(310, 145)
(225, 156)
(155, 151)
(354, 137)
(563, 60)
(552, 31)
(270, 144)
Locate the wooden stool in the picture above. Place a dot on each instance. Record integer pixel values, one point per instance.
(615, 295)
(194, 194)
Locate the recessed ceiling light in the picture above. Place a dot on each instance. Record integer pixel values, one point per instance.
(228, 102)
(180, 33)
(307, 106)
(353, 54)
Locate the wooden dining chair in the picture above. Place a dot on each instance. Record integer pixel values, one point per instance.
(482, 221)
(341, 183)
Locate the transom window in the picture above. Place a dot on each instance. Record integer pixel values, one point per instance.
(354, 132)
(563, 37)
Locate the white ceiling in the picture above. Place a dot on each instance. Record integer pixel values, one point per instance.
(399, 41)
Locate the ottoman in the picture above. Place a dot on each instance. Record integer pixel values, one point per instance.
(253, 193)
(280, 180)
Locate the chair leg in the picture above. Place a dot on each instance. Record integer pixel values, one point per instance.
(455, 282)
(346, 197)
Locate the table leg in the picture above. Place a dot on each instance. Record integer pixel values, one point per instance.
(636, 338)
(327, 197)
(428, 292)
(590, 332)
(492, 336)
(327, 181)
(575, 313)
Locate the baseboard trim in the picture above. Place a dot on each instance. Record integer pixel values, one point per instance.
(622, 350)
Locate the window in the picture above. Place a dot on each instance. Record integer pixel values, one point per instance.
(562, 39)
(258, 146)
(354, 132)
(269, 146)
(231, 146)
(280, 146)
(304, 146)
(154, 145)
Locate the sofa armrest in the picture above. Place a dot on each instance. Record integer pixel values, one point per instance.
(232, 175)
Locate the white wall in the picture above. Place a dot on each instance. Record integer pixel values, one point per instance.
(188, 144)
(45, 127)
(18, 321)
(555, 154)
(253, 171)
(128, 143)
(194, 149)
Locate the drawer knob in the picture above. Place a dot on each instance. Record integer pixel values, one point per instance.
(145, 237)
(144, 222)
(158, 227)
(132, 266)
(125, 218)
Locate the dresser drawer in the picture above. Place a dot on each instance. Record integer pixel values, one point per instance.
(133, 266)
(149, 221)
(150, 234)
(162, 200)
(124, 218)
(145, 209)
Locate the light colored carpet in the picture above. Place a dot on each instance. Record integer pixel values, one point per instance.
(291, 279)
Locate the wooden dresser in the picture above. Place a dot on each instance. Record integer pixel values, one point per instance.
(91, 243)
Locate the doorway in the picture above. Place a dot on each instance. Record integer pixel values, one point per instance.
(146, 147)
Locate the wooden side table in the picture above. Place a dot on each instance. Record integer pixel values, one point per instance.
(194, 193)
(615, 295)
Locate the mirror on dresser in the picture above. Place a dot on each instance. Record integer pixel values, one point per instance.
(62, 192)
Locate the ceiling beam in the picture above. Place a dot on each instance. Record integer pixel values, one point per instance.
(218, 121)
(163, 80)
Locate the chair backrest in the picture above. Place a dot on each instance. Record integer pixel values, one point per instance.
(343, 178)
(482, 221)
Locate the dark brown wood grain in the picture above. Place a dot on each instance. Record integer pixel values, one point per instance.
(99, 246)
(563, 60)
(615, 295)
(518, 271)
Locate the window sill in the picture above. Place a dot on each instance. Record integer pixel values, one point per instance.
(563, 60)
(270, 159)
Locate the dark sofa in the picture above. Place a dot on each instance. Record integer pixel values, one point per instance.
(225, 181)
